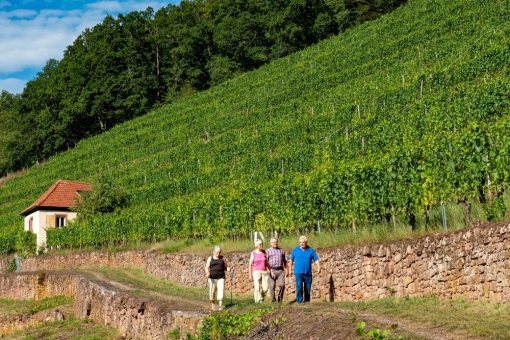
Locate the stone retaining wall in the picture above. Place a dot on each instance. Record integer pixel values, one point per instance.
(135, 317)
(473, 263)
(12, 323)
(84, 259)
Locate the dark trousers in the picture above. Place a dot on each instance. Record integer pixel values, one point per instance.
(303, 287)
(277, 280)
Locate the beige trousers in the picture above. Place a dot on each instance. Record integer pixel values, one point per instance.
(216, 286)
(259, 285)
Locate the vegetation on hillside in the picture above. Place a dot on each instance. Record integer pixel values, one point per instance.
(124, 66)
(457, 314)
(381, 123)
(30, 307)
(70, 328)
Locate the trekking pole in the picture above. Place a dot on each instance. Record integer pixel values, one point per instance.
(231, 286)
(207, 287)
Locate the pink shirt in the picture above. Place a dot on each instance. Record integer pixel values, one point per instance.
(259, 260)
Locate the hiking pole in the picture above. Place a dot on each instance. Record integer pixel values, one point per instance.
(207, 287)
(231, 286)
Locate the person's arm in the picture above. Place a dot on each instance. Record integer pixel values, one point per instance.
(208, 267)
(268, 266)
(317, 262)
(290, 263)
(227, 268)
(285, 262)
(250, 263)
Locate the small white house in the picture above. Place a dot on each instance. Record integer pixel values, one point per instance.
(53, 208)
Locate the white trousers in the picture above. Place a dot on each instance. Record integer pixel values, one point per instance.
(216, 286)
(259, 285)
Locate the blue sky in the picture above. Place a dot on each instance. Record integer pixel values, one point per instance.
(33, 31)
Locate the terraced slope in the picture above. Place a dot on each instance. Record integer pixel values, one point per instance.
(390, 118)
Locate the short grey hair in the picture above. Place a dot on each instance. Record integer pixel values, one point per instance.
(273, 239)
(303, 239)
(216, 249)
(257, 242)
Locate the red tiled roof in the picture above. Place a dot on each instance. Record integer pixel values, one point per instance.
(62, 194)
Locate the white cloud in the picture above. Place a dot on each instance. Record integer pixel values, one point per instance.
(29, 38)
(18, 14)
(12, 85)
(108, 6)
(29, 41)
(124, 6)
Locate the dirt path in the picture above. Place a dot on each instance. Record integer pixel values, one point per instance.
(310, 321)
(319, 321)
(127, 285)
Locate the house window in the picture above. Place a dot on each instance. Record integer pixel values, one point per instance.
(60, 221)
(31, 224)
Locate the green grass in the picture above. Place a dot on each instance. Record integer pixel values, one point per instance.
(474, 318)
(327, 239)
(17, 307)
(384, 121)
(67, 329)
(147, 285)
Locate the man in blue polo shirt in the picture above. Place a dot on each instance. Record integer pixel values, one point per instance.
(302, 257)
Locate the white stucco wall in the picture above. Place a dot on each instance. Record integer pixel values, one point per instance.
(40, 223)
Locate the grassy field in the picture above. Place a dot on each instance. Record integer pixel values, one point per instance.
(17, 307)
(67, 329)
(70, 328)
(481, 319)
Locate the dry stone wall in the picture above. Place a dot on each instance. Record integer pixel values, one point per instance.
(473, 263)
(85, 259)
(135, 317)
(12, 323)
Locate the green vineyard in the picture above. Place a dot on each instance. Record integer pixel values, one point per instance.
(388, 119)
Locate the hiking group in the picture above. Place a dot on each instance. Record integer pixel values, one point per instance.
(268, 269)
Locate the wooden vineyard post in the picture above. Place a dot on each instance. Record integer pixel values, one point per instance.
(393, 218)
(443, 215)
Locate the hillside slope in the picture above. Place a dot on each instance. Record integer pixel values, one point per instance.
(389, 118)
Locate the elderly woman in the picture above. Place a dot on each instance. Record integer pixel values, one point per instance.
(215, 271)
(258, 269)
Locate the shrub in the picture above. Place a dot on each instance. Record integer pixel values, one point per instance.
(106, 197)
(26, 243)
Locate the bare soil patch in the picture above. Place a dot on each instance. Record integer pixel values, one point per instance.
(327, 321)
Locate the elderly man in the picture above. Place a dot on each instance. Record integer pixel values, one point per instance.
(278, 262)
(302, 257)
